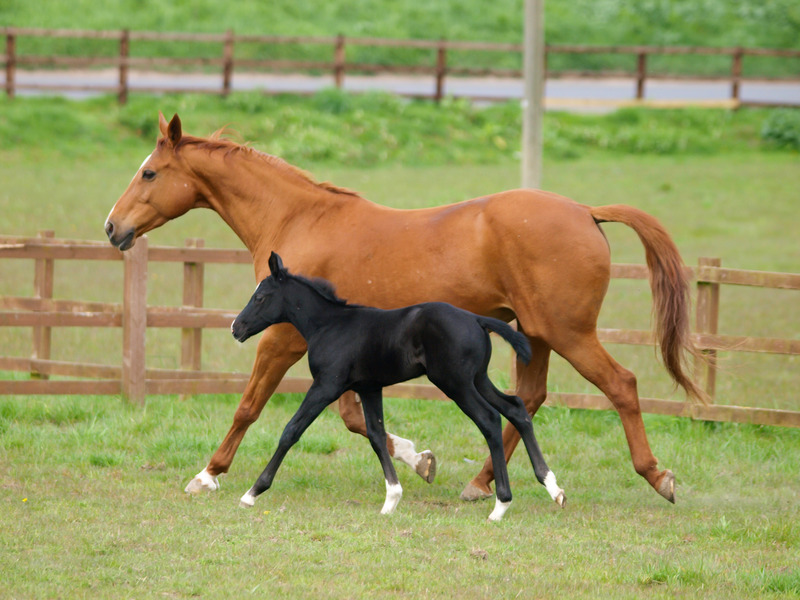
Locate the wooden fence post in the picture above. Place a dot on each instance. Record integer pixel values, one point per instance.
(707, 319)
(641, 74)
(134, 322)
(227, 63)
(339, 61)
(43, 288)
(441, 70)
(11, 63)
(736, 73)
(124, 53)
(191, 338)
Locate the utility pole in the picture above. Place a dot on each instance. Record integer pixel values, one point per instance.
(533, 68)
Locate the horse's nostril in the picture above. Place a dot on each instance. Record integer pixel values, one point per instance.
(109, 228)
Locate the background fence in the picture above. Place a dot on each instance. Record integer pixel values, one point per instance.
(438, 65)
(134, 380)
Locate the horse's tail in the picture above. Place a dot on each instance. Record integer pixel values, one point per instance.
(517, 340)
(670, 286)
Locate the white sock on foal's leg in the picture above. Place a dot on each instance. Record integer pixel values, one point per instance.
(500, 509)
(556, 493)
(393, 494)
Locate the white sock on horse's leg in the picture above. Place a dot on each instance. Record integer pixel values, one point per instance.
(393, 494)
(404, 451)
(556, 493)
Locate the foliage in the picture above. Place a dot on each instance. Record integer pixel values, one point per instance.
(782, 129)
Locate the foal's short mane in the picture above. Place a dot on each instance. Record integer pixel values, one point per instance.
(217, 142)
(323, 287)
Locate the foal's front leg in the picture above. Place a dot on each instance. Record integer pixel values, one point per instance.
(317, 398)
(373, 416)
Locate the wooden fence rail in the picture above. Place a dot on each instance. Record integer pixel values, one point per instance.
(338, 65)
(134, 380)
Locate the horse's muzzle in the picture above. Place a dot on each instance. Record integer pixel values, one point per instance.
(239, 331)
(122, 240)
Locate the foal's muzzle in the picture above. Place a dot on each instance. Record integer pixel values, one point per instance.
(239, 330)
(121, 239)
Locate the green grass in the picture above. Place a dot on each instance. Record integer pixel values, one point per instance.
(65, 163)
(749, 23)
(91, 501)
(92, 506)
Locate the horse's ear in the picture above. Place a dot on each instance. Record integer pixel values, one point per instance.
(174, 132)
(276, 267)
(163, 125)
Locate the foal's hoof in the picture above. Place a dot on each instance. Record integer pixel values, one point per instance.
(247, 501)
(426, 467)
(561, 500)
(202, 482)
(473, 492)
(667, 486)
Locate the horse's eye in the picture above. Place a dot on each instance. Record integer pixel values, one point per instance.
(148, 175)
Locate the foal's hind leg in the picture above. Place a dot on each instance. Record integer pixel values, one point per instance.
(512, 408)
(532, 389)
(423, 463)
(373, 416)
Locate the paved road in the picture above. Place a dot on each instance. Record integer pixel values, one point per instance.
(576, 94)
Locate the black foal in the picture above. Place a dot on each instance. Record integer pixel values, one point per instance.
(365, 349)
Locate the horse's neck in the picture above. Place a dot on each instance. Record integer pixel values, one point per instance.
(259, 200)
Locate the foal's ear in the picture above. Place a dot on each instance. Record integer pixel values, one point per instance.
(276, 267)
(163, 124)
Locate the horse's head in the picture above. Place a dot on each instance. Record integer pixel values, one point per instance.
(162, 189)
(266, 306)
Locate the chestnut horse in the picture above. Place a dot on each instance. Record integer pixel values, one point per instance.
(525, 254)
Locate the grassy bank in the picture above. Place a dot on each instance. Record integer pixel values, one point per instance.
(754, 23)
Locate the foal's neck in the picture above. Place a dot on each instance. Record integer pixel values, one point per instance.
(308, 310)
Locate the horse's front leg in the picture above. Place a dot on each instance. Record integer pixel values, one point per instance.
(278, 349)
(423, 463)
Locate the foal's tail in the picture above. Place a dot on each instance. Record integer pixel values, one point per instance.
(517, 340)
(670, 286)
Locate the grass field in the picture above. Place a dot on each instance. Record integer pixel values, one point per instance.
(93, 507)
(91, 488)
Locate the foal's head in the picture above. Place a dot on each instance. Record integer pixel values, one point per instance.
(162, 189)
(267, 304)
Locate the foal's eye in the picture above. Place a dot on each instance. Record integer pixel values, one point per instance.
(148, 175)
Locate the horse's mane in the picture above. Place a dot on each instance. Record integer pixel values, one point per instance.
(217, 142)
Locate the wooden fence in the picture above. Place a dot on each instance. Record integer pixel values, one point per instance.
(134, 380)
(338, 65)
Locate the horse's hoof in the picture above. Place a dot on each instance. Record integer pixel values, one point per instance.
(667, 486)
(202, 482)
(247, 501)
(561, 500)
(472, 493)
(426, 467)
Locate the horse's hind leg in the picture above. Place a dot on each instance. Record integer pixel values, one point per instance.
(373, 416)
(317, 398)
(593, 362)
(532, 389)
(512, 408)
(423, 463)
